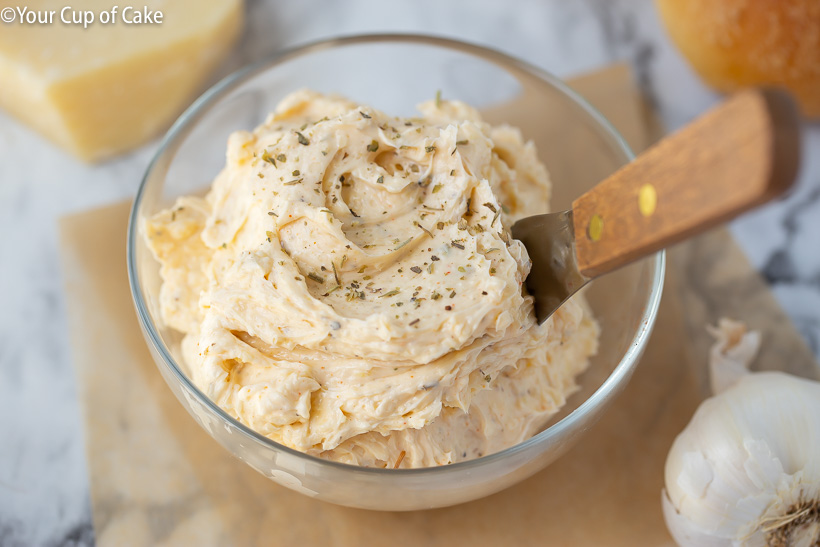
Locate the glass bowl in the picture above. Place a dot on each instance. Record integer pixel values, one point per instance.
(394, 73)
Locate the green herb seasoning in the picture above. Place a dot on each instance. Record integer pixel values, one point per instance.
(268, 158)
(403, 243)
(423, 229)
(335, 273)
(495, 217)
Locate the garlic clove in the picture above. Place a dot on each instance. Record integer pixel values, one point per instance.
(733, 351)
(684, 532)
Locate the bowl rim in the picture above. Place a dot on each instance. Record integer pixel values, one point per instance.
(619, 374)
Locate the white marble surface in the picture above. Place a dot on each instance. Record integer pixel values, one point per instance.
(43, 484)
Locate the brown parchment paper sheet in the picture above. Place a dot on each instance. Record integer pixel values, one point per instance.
(158, 479)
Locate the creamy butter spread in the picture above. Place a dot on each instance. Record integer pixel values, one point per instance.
(349, 286)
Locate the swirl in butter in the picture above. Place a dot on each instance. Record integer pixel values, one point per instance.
(349, 286)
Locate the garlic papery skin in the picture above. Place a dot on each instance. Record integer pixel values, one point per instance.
(735, 347)
(746, 469)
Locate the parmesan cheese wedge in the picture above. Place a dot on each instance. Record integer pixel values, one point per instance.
(101, 89)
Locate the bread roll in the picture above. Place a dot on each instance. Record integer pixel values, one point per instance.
(739, 43)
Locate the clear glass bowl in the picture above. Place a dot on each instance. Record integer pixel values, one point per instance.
(394, 73)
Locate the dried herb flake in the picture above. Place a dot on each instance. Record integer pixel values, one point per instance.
(403, 243)
(335, 273)
(268, 158)
(316, 277)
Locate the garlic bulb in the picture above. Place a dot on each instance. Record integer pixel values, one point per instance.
(746, 470)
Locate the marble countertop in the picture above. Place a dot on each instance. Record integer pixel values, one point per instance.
(43, 479)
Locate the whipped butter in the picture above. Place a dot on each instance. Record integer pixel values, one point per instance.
(349, 287)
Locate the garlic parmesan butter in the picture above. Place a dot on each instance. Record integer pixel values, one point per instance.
(349, 286)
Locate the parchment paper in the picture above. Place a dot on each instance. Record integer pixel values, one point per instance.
(157, 479)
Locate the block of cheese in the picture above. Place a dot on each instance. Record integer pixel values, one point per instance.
(105, 88)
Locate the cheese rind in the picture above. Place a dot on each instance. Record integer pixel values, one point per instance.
(105, 89)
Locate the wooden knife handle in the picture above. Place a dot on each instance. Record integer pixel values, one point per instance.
(738, 155)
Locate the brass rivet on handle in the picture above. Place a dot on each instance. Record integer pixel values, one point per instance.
(595, 227)
(647, 199)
